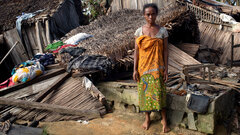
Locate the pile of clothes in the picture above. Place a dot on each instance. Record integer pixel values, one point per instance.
(74, 56)
(90, 62)
(45, 59)
(28, 70)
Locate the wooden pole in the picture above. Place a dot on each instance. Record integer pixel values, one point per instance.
(43, 36)
(232, 50)
(8, 52)
(48, 32)
(49, 107)
(1, 39)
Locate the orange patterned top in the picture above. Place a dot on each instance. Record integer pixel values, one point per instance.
(150, 56)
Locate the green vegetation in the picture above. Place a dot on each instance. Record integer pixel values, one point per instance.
(45, 131)
(95, 8)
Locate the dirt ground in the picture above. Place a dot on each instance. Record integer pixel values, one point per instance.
(117, 123)
(10, 9)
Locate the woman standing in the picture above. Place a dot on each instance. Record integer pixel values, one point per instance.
(151, 66)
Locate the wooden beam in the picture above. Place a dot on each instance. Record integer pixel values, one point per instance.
(9, 52)
(35, 80)
(49, 107)
(53, 66)
(39, 41)
(81, 74)
(54, 86)
(48, 35)
(232, 50)
(1, 39)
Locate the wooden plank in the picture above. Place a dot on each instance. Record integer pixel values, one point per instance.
(189, 48)
(49, 107)
(12, 37)
(48, 35)
(32, 89)
(31, 33)
(43, 36)
(35, 80)
(53, 66)
(27, 43)
(81, 74)
(94, 90)
(1, 39)
(54, 86)
(39, 41)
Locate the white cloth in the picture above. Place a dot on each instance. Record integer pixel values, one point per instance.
(228, 18)
(77, 38)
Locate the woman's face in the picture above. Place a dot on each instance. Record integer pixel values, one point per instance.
(150, 15)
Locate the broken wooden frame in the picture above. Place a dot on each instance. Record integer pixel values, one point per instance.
(234, 62)
(202, 69)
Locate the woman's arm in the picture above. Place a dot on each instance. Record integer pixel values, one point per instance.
(165, 56)
(135, 68)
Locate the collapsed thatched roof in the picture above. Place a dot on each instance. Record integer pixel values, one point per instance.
(113, 34)
(10, 9)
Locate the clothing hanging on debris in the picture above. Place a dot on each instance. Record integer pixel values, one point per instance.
(7, 83)
(151, 87)
(24, 16)
(73, 51)
(64, 46)
(94, 62)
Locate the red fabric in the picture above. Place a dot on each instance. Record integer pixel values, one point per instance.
(7, 83)
(64, 46)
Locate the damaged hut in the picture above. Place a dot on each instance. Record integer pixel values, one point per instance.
(34, 25)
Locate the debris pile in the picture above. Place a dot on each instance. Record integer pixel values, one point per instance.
(103, 50)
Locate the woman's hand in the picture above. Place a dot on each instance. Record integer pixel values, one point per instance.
(165, 76)
(136, 76)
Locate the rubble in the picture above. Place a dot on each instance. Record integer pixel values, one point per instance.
(60, 96)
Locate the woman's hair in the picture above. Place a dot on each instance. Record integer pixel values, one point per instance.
(153, 5)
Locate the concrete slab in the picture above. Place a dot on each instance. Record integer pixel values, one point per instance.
(191, 122)
(175, 117)
(23, 130)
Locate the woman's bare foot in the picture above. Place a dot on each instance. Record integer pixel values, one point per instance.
(146, 124)
(165, 127)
